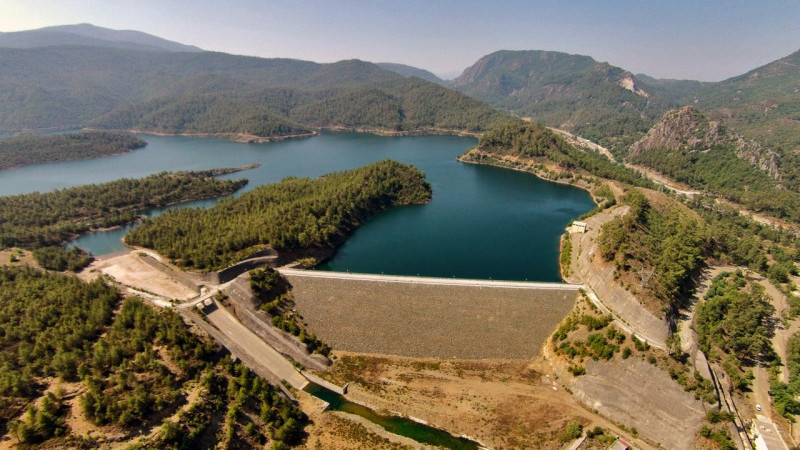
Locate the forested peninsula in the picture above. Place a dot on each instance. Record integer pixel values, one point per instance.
(294, 215)
(534, 147)
(36, 219)
(25, 150)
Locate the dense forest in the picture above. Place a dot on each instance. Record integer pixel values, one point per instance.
(785, 394)
(60, 259)
(216, 93)
(295, 214)
(537, 143)
(735, 318)
(133, 371)
(664, 245)
(203, 114)
(734, 326)
(40, 219)
(24, 150)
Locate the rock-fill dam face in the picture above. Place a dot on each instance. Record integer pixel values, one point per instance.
(430, 318)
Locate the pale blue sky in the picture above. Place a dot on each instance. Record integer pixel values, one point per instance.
(705, 40)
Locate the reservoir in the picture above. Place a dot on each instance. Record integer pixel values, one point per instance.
(483, 222)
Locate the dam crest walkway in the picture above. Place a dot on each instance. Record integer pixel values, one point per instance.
(430, 280)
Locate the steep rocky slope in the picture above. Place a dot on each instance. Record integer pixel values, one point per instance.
(687, 129)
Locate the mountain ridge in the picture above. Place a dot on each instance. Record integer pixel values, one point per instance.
(90, 35)
(572, 92)
(411, 71)
(75, 86)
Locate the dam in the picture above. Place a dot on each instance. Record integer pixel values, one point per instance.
(427, 317)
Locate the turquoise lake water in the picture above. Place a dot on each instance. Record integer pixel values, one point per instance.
(483, 222)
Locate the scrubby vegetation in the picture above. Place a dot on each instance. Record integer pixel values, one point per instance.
(784, 395)
(295, 214)
(720, 171)
(586, 333)
(34, 220)
(255, 414)
(663, 246)
(47, 324)
(735, 318)
(25, 150)
(601, 340)
(132, 372)
(721, 437)
(534, 142)
(565, 258)
(276, 300)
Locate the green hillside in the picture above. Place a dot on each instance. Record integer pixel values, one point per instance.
(534, 143)
(410, 71)
(705, 154)
(572, 92)
(297, 214)
(764, 103)
(23, 150)
(206, 92)
(216, 114)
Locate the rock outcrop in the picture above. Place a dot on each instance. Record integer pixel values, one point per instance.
(689, 129)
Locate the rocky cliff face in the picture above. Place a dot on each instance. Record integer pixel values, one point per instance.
(689, 129)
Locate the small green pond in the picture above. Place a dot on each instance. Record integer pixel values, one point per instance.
(397, 425)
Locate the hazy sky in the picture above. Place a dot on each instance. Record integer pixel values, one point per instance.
(705, 40)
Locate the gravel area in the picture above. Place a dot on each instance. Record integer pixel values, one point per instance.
(430, 321)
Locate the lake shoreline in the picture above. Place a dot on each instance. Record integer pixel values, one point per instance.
(245, 138)
(459, 224)
(476, 150)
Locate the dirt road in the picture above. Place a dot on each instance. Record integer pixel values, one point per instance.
(255, 347)
(599, 276)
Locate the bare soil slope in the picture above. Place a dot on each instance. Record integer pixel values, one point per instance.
(637, 393)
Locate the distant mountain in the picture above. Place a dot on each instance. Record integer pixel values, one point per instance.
(761, 107)
(410, 71)
(764, 103)
(572, 92)
(678, 91)
(91, 36)
(187, 92)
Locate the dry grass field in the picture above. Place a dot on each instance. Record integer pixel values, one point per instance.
(503, 404)
(427, 321)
